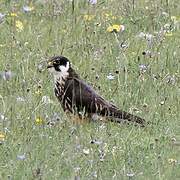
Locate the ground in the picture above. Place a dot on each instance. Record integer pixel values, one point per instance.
(128, 51)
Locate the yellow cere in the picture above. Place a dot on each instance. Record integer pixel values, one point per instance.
(50, 63)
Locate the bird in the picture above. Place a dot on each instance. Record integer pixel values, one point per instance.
(79, 99)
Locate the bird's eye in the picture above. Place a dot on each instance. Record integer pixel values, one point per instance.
(55, 63)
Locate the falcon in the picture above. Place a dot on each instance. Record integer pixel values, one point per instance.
(79, 99)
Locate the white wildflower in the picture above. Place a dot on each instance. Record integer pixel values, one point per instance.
(143, 68)
(93, 2)
(2, 17)
(21, 157)
(86, 151)
(46, 100)
(20, 99)
(110, 76)
(130, 174)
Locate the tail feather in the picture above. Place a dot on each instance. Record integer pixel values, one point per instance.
(122, 115)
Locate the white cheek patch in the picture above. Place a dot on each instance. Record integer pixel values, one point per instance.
(62, 74)
(64, 69)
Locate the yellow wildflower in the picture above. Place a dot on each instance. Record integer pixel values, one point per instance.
(115, 28)
(88, 17)
(173, 18)
(19, 26)
(13, 14)
(114, 17)
(110, 29)
(31, 8)
(107, 15)
(39, 121)
(38, 92)
(168, 34)
(2, 136)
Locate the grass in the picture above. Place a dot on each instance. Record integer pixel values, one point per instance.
(34, 150)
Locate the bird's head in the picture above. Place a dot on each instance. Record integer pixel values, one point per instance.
(59, 66)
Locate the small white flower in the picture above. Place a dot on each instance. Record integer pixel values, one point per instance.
(167, 27)
(165, 14)
(86, 151)
(6, 75)
(6, 130)
(149, 37)
(46, 100)
(77, 169)
(141, 35)
(130, 174)
(122, 28)
(110, 76)
(92, 2)
(171, 79)
(94, 174)
(2, 17)
(98, 142)
(27, 9)
(162, 102)
(20, 99)
(2, 117)
(21, 157)
(114, 149)
(143, 68)
(101, 155)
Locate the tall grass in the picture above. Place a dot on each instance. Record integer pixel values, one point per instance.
(39, 141)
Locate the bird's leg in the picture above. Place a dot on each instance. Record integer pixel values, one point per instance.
(78, 119)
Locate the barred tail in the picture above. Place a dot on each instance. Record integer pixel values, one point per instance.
(122, 115)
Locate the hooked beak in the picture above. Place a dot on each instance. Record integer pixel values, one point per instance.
(50, 64)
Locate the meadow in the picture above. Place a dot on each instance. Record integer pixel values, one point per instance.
(128, 51)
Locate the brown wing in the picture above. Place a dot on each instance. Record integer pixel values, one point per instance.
(83, 97)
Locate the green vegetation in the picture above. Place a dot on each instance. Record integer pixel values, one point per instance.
(144, 62)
